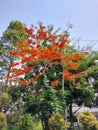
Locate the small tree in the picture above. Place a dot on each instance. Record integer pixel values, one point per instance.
(88, 121)
(3, 124)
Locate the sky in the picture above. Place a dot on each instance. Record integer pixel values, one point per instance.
(82, 14)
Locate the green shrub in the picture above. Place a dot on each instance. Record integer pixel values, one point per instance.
(88, 121)
(3, 123)
(57, 122)
(26, 123)
(37, 125)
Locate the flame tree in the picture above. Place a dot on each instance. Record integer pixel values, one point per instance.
(47, 55)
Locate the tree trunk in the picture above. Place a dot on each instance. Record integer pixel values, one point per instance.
(71, 117)
(63, 79)
(42, 125)
(45, 126)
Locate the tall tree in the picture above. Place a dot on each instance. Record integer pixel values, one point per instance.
(8, 42)
(44, 52)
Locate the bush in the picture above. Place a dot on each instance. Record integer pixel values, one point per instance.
(57, 122)
(88, 121)
(37, 125)
(3, 123)
(26, 123)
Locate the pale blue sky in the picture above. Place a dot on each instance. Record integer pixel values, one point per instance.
(82, 14)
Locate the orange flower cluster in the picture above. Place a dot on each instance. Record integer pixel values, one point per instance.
(37, 75)
(24, 82)
(74, 65)
(49, 54)
(72, 77)
(14, 64)
(78, 86)
(54, 83)
(15, 72)
(42, 45)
